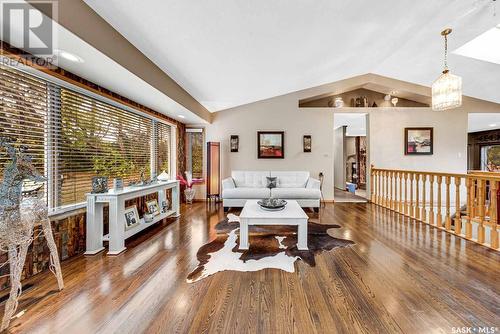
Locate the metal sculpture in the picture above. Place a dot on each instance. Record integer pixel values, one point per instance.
(18, 216)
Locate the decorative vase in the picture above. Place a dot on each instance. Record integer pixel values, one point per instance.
(339, 103)
(189, 195)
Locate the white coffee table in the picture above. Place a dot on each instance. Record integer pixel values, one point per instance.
(293, 214)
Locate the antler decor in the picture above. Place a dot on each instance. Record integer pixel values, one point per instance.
(18, 216)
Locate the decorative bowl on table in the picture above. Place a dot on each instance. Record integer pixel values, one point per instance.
(272, 204)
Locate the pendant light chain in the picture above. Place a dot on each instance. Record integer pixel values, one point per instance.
(445, 53)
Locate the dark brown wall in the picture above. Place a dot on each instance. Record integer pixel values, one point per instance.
(475, 141)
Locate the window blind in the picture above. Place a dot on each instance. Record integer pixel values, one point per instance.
(73, 137)
(23, 115)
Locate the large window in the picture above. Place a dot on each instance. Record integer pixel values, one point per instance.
(74, 137)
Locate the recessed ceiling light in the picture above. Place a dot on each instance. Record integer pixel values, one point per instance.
(181, 116)
(484, 47)
(69, 56)
(493, 124)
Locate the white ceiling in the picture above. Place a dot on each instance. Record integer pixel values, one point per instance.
(356, 123)
(484, 121)
(102, 70)
(231, 52)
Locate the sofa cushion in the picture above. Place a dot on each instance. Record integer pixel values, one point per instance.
(250, 179)
(246, 193)
(291, 179)
(295, 193)
(271, 182)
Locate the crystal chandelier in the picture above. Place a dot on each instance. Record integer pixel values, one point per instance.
(447, 89)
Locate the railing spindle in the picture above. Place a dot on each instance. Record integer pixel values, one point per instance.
(458, 209)
(424, 212)
(470, 205)
(386, 202)
(417, 197)
(391, 200)
(400, 176)
(439, 214)
(406, 193)
(431, 199)
(480, 229)
(447, 217)
(493, 215)
(411, 195)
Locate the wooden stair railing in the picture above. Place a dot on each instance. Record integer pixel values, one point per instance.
(428, 196)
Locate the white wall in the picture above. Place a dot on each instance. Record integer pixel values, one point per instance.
(387, 139)
(278, 114)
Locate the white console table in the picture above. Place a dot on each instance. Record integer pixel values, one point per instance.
(116, 201)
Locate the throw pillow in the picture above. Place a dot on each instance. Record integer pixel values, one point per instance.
(272, 182)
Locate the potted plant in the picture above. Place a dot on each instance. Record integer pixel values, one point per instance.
(189, 192)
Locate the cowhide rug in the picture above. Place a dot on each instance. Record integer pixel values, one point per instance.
(270, 247)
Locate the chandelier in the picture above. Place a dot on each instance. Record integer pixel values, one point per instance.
(447, 89)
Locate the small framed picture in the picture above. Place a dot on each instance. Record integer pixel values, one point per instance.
(234, 142)
(131, 217)
(118, 183)
(307, 143)
(153, 207)
(419, 141)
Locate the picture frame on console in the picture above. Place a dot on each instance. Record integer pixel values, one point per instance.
(271, 144)
(307, 143)
(153, 207)
(234, 143)
(419, 141)
(131, 217)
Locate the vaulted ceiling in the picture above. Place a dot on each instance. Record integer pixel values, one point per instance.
(227, 53)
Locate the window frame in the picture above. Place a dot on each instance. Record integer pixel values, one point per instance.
(187, 150)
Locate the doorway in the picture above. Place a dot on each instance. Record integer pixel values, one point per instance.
(350, 157)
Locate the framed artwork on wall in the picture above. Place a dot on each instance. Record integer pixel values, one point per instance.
(419, 141)
(234, 143)
(131, 217)
(307, 143)
(271, 144)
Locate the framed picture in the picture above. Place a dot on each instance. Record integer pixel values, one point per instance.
(307, 143)
(271, 144)
(234, 142)
(131, 217)
(418, 141)
(118, 183)
(153, 207)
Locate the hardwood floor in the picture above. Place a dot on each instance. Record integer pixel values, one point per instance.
(401, 276)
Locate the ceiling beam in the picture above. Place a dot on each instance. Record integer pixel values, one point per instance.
(84, 22)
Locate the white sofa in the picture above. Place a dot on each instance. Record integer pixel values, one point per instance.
(245, 185)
